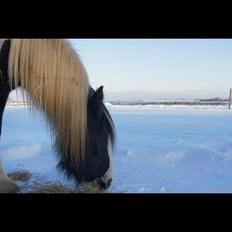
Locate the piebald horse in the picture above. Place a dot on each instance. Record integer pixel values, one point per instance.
(56, 83)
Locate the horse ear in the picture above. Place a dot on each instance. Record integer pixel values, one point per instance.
(99, 95)
(97, 100)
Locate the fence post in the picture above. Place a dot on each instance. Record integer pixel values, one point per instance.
(230, 96)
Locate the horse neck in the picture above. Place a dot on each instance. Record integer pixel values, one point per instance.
(1, 43)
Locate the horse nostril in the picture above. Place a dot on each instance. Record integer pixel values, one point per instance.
(109, 182)
(105, 185)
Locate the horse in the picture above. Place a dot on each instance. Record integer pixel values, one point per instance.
(56, 83)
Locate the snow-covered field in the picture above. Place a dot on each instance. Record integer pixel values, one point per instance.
(160, 149)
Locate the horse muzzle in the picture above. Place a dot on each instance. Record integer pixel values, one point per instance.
(104, 183)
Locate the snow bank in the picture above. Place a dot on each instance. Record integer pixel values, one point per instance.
(158, 149)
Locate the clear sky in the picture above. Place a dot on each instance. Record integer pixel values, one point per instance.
(161, 66)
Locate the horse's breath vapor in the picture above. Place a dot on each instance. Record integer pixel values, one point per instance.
(57, 83)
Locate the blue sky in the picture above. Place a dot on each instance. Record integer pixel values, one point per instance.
(160, 67)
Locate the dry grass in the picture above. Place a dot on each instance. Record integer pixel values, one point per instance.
(90, 188)
(52, 188)
(60, 188)
(30, 183)
(20, 176)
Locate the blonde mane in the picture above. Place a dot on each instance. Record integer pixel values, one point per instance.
(57, 84)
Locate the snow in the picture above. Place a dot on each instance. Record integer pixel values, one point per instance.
(160, 149)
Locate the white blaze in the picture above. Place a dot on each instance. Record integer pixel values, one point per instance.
(109, 174)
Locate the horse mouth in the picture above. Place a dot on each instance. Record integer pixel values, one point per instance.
(104, 184)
